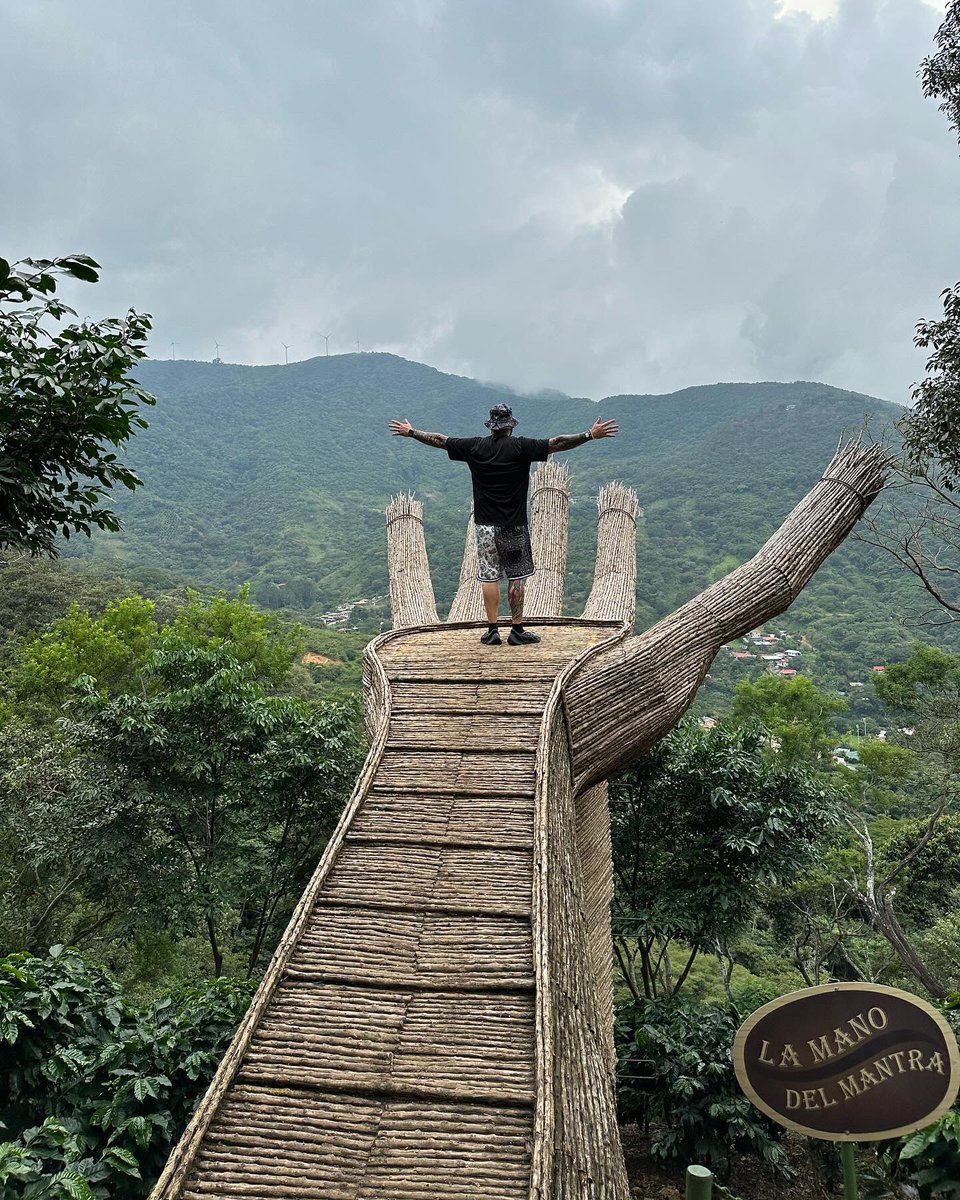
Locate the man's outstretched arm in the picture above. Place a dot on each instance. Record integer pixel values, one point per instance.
(570, 441)
(405, 429)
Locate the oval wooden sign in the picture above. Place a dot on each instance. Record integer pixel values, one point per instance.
(849, 1062)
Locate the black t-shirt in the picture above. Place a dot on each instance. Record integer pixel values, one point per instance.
(501, 474)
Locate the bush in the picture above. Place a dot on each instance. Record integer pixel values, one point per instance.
(754, 992)
(692, 1104)
(924, 1166)
(95, 1090)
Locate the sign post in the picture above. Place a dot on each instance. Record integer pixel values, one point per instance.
(848, 1159)
(849, 1062)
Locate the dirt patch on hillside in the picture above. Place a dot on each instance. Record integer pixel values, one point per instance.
(319, 658)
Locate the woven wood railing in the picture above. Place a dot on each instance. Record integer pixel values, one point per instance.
(631, 696)
(594, 850)
(576, 1150)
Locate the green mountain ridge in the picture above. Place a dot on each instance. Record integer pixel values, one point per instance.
(279, 476)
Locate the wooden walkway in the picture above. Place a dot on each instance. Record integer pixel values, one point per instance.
(437, 1021)
(394, 1056)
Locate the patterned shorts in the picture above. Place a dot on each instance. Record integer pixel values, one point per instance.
(503, 550)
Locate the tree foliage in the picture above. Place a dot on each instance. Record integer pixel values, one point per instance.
(689, 1094)
(113, 648)
(928, 883)
(242, 787)
(919, 522)
(925, 689)
(798, 714)
(162, 781)
(96, 1090)
(932, 430)
(66, 397)
(77, 863)
(739, 821)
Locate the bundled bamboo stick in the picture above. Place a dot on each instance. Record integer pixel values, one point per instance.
(550, 513)
(644, 687)
(411, 588)
(614, 592)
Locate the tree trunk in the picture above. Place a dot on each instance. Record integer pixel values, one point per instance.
(886, 922)
(214, 946)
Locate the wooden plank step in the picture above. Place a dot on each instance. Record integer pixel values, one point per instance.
(474, 843)
(507, 819)
(480, 731)
(520, 699)
(450, 1045)
(282, 1144)
(422, 949)
(474, 881)
(503, 670)
(448, 772)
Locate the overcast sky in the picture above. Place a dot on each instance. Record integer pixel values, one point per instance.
(598, 196)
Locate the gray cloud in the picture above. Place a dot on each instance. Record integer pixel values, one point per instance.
(591, 195)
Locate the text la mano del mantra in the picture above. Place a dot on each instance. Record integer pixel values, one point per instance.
(837, 1042)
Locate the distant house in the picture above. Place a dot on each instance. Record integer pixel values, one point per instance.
(793, 653)
(742, 654)
(846, 754)
(880, 669)
(788, 671)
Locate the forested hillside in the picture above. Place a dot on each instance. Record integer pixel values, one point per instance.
(279, 476)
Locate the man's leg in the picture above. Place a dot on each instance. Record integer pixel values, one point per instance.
(515, 593)
(488, 567)
(518, 635)
(491, 600)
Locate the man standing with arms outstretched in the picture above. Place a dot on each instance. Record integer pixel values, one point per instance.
(500, 466)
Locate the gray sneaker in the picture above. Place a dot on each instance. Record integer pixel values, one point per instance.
(522, 637)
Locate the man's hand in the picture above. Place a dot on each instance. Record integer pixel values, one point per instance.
(604, 429)
(405, 429)
(570, 441)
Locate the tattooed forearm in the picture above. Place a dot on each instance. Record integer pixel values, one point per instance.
(515, 596)
(430, 439)
(567, 441)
